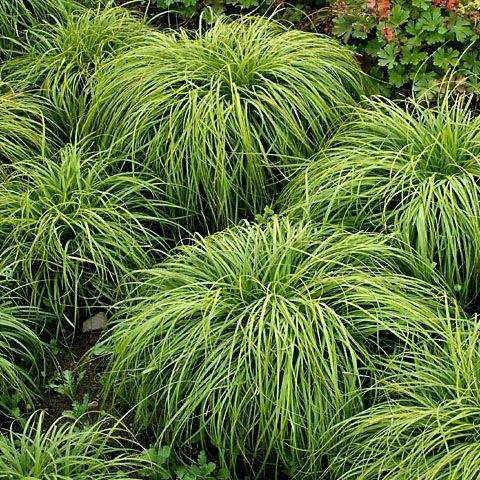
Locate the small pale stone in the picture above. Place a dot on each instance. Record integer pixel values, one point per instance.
(97, 322)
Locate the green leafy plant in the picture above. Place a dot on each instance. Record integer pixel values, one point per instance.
(256, 339)
(60, 58)
(68, 450)
(417, 42)
(415, 173)
(182, 10)
(427, 426)
(216, 113)
(166, 467)
(72, 227)
(79, 409)
(66, 383)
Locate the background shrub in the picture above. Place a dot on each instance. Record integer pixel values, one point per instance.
(257, 339)
(417, 42)
(72, 226)
(215, 114)
(415, 173)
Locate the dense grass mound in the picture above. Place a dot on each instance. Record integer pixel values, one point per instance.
(60, 58)
(256, 339)
(428, 427)
(22, 354)
(73, 451)
(216, 112)
(72, 227)
(22, 126)
(416, 173)
(16, 16)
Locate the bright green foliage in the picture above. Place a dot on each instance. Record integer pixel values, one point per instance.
(19, 15)
(21, 350)
(215, 114)
(69, 451)
(22, 126)
(72, 227)
(427, 428)
(415, 173)
(256, 339)
(417, 42)
(59, 59)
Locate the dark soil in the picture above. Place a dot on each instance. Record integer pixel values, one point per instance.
(73, 357)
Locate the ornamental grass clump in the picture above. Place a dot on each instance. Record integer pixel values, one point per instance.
(59, 59)
(65, 450)
(256, 339)
(415, 172)
(23, 131)
(73, 226)
(22, 353)
(16, 16)
(427, 427)
(217, 112)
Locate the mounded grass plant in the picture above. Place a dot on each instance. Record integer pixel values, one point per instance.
(22, 355)
(103, 450)
(256, 339)
(59, 59)
(217, 112)
(72, 227)
(415, 172)
(17, 16)
(22, 126)
(427, 427)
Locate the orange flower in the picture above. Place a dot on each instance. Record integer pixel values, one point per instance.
(451, 5)
(380, 7)
(388, 34)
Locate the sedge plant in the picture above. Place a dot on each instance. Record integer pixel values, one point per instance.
(59, 59)
(254, 340)
(18, 15)
(73, 225)
(427, 427)
(23, 131)
(65, 450)
(415, 172)
(217, 112)
(22, 353)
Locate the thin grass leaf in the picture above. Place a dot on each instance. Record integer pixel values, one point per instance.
(23, 130)
(63, 450)
(22, 352)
